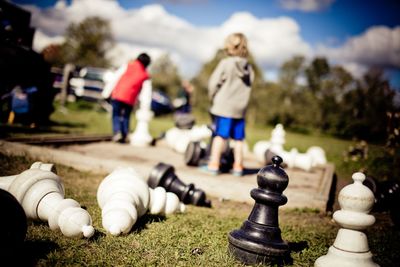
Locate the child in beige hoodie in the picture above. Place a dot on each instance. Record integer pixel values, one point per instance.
(229, 89)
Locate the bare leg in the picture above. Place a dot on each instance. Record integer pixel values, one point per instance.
(216, 150)
(238, 155)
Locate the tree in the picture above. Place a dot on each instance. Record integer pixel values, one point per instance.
(87, 43)
(316, 72)
(53, 55)
(165, 76)
(364, 109)
(290, 71)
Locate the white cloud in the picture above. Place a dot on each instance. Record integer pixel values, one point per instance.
(41, 40)
(378, 46)
(306, 5)
(152, 29)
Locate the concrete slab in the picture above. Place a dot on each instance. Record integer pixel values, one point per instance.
(305, 190)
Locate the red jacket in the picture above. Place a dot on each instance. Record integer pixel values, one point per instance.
(129, 85)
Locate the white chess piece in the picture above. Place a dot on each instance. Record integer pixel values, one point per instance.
(141, 136)
(317, 154)
(278, 137)
(40, 192)
(294, 159)
(179, 139)
(351, 245)
(124, 196)
(163, 202)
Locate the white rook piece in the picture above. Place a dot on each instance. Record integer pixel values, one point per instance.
(124, 196)
(40, 192)
(141, 136)
(351, 244)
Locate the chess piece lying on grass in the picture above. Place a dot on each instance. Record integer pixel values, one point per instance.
(40, 192)
(124, 197)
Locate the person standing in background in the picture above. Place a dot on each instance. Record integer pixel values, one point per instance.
(125, 93)
(229, 89)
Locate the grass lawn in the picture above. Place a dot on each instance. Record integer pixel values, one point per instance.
(197, 237)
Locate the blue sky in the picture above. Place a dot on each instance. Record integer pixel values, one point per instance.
(337, 29)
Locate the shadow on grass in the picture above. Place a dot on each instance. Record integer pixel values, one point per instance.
(7, 130)
(146, 219)
(67, 124)
(297, 246)
(248, 171)
(97, 236)
(28, 254)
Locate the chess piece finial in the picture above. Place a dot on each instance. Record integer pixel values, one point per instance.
(351, 245)
(259, 239)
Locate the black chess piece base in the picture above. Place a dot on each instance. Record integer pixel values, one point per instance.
(247, 246)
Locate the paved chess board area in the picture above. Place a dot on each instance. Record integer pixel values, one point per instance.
(305, 189)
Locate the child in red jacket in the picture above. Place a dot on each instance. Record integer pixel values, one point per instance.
(125, 93)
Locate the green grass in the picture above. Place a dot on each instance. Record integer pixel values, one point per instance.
(86, 118)
(197, 237)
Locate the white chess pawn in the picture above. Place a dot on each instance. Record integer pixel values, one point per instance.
(351, 244)
(40, 192)
(124, 196)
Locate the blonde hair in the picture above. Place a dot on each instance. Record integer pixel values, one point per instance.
(236, 45)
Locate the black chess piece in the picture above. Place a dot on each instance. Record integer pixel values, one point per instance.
(198, 153)
(164, 175)
(13, 223)
(387, 195)
(194, 153)
(259, 239)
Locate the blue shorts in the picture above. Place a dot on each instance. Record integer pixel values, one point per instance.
(229, 128)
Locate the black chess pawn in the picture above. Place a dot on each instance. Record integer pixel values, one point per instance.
(259, 239)
(164, 175)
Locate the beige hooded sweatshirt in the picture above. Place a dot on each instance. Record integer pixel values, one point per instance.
(229, 87)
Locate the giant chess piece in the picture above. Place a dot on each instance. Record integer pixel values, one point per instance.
(40, 192)
(141, 136)
(351, 245)
(124, 196)
(387, 197)
(179, 139)
(198, 153)
(259, 239)
(164, 175)
(13, 226)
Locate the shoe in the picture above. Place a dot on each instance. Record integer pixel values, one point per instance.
(117, 138)
(206, 169)
(237, 173)
(237, 170)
